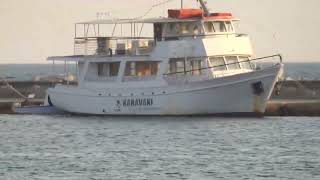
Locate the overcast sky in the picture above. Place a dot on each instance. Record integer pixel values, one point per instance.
(31, 30)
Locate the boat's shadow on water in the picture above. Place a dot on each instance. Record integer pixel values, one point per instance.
(167, 118)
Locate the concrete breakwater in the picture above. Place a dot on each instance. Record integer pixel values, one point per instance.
(290, 98)
(295, 98)
(34, 90)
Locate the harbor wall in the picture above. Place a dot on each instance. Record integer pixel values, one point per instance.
(295, 98)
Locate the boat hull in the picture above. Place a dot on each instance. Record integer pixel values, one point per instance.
(242, 94)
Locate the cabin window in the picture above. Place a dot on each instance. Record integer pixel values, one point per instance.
(141, 69)
(229, 26)
(182, 28)
(180, 66)
(108, 69)
(196, 66)
(219, 26)
(130, 69)
(196, 29)
(102, 71)
(177, 28)
(177, 65)
(209, 27)
(158, 31)
(171, 28)
(218, 63)
(232, 62)
(244, 62)
(185, 28)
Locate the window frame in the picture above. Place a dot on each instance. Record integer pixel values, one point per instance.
(247, 61)
(224, 63)
(101, 68)
(238, 64)
(221, 22)
(183, 29)
(194, 62)
(133, 68)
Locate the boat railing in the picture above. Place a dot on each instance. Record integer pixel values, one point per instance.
(207, 35)
(113, 45)
(253, 62)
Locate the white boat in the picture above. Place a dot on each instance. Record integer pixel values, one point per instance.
(195, 63)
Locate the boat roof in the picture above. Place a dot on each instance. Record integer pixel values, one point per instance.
(152, 20)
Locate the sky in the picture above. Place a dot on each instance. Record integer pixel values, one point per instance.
(32, 30)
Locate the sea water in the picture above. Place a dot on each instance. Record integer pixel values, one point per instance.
(89, 147)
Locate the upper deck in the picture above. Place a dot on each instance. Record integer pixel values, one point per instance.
(132, 37)
(189, 42)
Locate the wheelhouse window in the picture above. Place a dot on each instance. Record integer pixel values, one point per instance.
(217, 63)
(218, 26)
(185, 28)
(244, 62)
(196, 30)
(229, 26)
(232, 62)
(182, 29)
(142, 68)
(209, 27)
(174, 29)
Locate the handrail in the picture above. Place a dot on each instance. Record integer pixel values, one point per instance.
(113, 38)
(209, 35)
(165, 37)
(211, 67)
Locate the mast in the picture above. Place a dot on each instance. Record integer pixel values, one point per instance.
(181, 4)
(204, 7)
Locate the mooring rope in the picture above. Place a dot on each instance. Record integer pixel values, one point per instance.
(13, 89)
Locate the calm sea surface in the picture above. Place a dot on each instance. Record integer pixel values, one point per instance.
(78, 147)
(200, 148)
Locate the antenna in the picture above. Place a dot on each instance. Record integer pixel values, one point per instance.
(204, 7)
